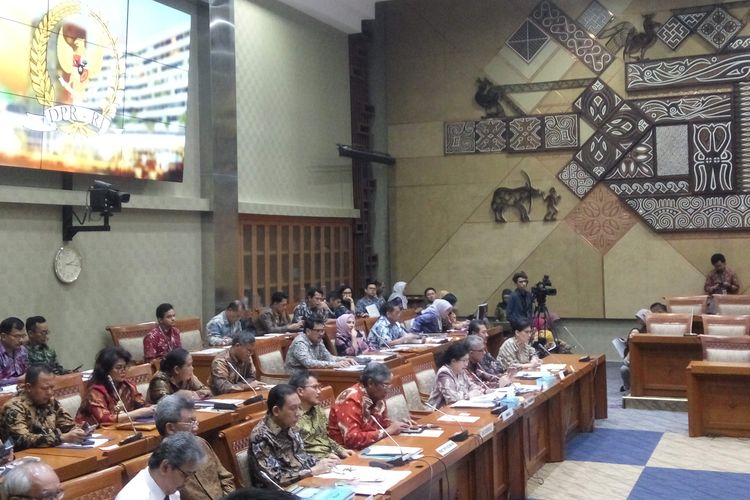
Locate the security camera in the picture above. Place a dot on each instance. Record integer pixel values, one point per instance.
(106, 199)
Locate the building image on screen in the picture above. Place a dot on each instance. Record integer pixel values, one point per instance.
(96, 88)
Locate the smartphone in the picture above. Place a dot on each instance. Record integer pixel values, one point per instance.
(6, 448)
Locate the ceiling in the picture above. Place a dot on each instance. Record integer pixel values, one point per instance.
(344, 15)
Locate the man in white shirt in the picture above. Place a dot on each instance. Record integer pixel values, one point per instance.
(176, 459)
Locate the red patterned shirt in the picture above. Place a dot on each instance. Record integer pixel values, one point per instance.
(350, 422)
(157, 343)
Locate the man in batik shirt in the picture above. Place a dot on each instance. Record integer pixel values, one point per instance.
(165, 337)
(352, 421)
(276, 447)
(227, 367)
(35, 419)
(39, 352)
(312, 306)
(14, 358)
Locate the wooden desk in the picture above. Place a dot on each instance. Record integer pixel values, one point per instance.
(66, 467)
(718, 398)
(658, 362)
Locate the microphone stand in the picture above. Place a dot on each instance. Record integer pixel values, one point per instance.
(136, 435)
(254, 399)
(398, 461)
(459, 436)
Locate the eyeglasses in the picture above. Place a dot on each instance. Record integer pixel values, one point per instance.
(193, 422)
(317, 387)
(186, 475)
(477, 350)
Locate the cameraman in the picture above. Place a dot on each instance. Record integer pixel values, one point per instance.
(521, 301)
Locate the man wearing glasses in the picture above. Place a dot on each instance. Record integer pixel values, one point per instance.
(312, 423)
(308, 351)
(176, 413)
(521, 302)
(14, 358)
(177, 458)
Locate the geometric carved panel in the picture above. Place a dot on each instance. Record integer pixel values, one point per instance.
(594, 18)
(692, 19)
(672, 150)
(601, 219)
(490, 135)
(743, 133)
(625, 126)
(638, 188)
(525, 133)
(597, 102)
(576, 179)
(712, 165)
(527, 41)
(570, 35)
(694, 213)
(638, 163)
(719, 27)
(673, 33)
(598, 155)
(686, 108)
(459, 137)
(707, 69)
(561, 131)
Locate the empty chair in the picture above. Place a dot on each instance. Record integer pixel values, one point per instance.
(140, 375)
(424, 371)
(726, 349)
(695, 304)
(675, 324)
(67, 390)
(268, 361)
(130, 337)
(726, 326)
(190, 333)
(102, 484)
(395, 402)
(732, 305)
(404, 376)
(231, 448)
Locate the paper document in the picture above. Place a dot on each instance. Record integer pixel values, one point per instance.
(394, 451)
(553, 366)
(373, 311)
(224, 401)
(366, 480)
(465, 419)
(211, 350)
(431, 433)
(354, 368)
(95, 444)
(471, 403)
(530, 375)
(620, 346)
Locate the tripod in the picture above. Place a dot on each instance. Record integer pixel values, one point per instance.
(541, 316)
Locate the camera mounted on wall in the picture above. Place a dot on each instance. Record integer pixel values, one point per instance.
(103, 198)
(542, 290)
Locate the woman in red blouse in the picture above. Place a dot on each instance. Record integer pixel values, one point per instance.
(100, 405)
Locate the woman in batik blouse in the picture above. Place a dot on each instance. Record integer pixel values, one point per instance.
(100, 404)
(176, 375)
(452, 382)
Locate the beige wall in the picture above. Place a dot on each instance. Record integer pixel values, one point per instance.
(603, 259)
(292, 109)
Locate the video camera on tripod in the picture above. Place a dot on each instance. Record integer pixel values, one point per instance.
(543, 289)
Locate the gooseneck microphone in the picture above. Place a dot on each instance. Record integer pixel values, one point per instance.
(486, 387)
(398, 461)
(267, 478)
(459, 436)
(240, 375)
(136, 435)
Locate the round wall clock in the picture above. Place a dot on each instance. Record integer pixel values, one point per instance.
(68, 264)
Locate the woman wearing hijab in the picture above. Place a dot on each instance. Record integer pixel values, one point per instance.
(349, 341)
(432, 319)
(398, 294)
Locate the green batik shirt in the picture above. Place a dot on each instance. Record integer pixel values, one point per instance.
(312, 426)
(41, 354)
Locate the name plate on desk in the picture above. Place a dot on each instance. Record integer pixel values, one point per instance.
(506, 414)
(528, 402)
(486, 430)
(446, 448)
(561, 375)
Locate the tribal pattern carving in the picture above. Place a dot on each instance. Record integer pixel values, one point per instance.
(739, 43)
(527, 41)
(743, 130)
(601, 219)
(640, 188)
(560, 131)
(625, 127)
(597, 102)
(525, 133)
(684, 71)
(638, 163)
(576, 178)
(694, 213)
(673, 33)
(692, 19)
(712, 167)
(598, 155)
(686, 108)
(595, 18)
(719, 27)
(459, 137)
(565, 30)
(490, 135)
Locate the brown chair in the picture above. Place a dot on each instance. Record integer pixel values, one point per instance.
(726, 349)
(269, 362)
(424, 371)
(130, 338)
(404, 376)
(732, 305)
(395, 402)
(231, 448)
(327, 398)
(134, 465)
(191, 337)
(67, 390)
(407, 317)
(104, 484)
(673, 324)
(694, 305)
(120, 454)
(726, 326)
(368, 325)
(330, 338)
(140, 375)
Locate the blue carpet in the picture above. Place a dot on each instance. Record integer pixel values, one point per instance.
(613, 446)
(656, 482)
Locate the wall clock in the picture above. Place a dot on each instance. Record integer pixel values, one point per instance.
(68, 264)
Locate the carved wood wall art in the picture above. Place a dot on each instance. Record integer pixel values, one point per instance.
(687, 71)
(518, 198)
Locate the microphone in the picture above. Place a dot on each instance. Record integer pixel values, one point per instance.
(398, 461)
(457, 437)
(254, 399)
(136, 435)
(268, 479)
(486, 387)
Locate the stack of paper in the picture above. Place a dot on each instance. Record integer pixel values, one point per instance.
(366, 480)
